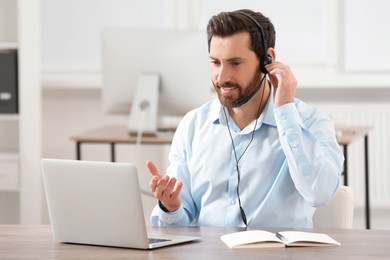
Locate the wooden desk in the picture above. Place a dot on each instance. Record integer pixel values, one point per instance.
(35, 242)
(115, 134)
(348, 136)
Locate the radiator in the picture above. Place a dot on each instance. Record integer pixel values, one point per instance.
(378, 116)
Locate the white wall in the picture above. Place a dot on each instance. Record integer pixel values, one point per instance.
(367, 38)
(70, 29)
(339, 39)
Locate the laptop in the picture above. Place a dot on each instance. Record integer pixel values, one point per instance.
(99, 203)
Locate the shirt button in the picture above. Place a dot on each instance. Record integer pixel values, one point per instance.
(233, 202)
(283, 116)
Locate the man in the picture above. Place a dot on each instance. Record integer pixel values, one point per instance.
(256, 156)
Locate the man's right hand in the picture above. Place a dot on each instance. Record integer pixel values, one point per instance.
(164, 188)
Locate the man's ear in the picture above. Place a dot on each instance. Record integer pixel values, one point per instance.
(271, 52)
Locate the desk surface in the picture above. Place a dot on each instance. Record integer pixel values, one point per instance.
(35, 242)
(351, 134)
(119, 134)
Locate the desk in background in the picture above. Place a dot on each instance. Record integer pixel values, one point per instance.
(346, 137)
(115, 134)
(35, 242)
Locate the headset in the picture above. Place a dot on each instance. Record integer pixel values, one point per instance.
(264, 59)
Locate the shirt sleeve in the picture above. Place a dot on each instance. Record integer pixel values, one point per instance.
(184, 215)
(162, 218)
(314, 157)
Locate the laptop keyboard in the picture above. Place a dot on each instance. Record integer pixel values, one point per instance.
(158, 240)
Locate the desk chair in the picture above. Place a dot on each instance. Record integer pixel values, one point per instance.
(338, 213)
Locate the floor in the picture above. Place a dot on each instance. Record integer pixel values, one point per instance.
(380, 219)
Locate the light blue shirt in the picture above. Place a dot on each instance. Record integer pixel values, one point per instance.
(292, 166)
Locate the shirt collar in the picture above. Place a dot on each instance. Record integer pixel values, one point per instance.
(266, 117)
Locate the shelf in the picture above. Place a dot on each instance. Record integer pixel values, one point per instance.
(9, 156)
(8, 45)
(9, 188)
(9, 117)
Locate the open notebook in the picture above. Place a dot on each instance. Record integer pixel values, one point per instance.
(98, 203)
(265, 239)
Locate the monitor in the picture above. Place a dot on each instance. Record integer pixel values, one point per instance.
(162, 71)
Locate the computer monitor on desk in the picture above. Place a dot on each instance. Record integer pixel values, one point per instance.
(154, 74)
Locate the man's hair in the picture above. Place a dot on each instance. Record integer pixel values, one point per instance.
(228, 23)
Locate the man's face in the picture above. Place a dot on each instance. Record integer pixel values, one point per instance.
(234, 67)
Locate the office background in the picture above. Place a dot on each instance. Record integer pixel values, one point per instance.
(337, 49)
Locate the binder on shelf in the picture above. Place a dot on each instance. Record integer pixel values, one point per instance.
(8, 82)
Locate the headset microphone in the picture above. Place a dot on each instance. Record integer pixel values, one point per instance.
(243, 100)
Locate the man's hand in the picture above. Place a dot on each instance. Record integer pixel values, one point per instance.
(284, 83)
(164, 188)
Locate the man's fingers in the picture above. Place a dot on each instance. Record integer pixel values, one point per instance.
(177, 190)
(161, 186)
(153, 183)
(152, 169)
(169, 188)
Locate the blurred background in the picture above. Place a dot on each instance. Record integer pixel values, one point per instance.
(338, 51)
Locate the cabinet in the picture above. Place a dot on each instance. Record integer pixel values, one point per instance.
(20, 140)
(9, 126)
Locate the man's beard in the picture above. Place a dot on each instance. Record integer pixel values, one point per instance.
(230, 100)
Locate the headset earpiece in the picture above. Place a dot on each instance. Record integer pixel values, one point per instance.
(265, 60)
